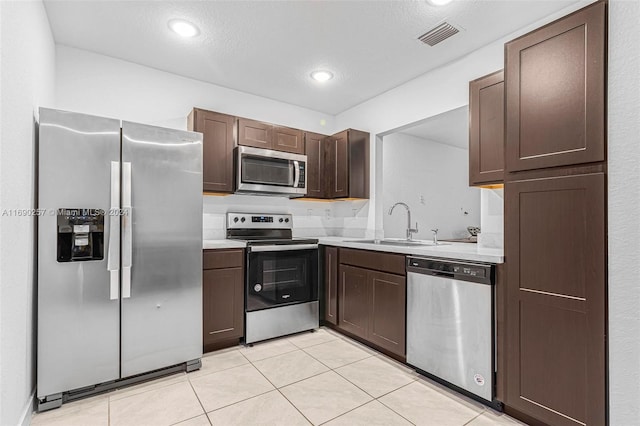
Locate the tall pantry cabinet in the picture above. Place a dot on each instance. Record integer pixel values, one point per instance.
(555, 220)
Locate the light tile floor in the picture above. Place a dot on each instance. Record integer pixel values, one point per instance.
(310, 378)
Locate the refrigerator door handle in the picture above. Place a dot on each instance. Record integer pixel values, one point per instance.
(113, 249)
(127, 222)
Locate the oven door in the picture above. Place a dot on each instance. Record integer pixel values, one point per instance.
(267, 171)
(279, 275)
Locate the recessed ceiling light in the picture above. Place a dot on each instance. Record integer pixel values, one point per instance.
(183, 28)
(321, 76)
(439, 2)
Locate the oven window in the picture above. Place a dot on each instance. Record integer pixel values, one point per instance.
(266, 171)
(281, 278)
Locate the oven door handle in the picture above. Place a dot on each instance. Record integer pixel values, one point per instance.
(283, 247)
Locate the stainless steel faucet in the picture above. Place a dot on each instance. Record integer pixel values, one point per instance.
(410, 230)
(435, 236)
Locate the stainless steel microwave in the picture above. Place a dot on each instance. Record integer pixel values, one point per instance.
(264, 171)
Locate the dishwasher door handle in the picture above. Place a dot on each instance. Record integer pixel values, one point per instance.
(430, 272)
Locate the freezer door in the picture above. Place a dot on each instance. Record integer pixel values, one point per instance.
(161, 248)
(78, 307)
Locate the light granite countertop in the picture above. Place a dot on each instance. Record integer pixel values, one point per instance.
(222, 244)
(461, 251)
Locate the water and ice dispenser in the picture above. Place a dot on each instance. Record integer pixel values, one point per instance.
(80, 234)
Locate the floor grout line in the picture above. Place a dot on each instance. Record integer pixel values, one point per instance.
(347, 412)
(283, 395)
(390, 408)
(479, 414)
(199, 402)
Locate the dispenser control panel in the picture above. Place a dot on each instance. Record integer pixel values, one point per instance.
(80, 234)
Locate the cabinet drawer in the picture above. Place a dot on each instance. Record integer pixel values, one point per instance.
(217, 259)
(378, 261)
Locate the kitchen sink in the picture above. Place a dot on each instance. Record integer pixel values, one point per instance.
(398, 242)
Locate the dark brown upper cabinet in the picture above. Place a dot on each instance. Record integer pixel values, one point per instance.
(338, 165)
(486, 130)
(255, 133)
(217, 149)
(555, 93)
(556, 298)
(288, 140)
(264, 135)
(315, 151)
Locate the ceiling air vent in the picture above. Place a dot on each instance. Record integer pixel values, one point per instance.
(438, 34)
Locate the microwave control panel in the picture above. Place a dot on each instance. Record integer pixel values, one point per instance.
(303, 172)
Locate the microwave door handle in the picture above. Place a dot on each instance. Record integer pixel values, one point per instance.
(296, 173)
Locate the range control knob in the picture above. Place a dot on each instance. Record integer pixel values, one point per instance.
(286, 220)
(242, 220)
(280, 220)
(235, 219)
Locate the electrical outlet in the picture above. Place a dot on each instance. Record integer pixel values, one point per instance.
(421, 199)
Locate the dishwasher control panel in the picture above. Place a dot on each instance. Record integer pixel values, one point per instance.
(469, 271)
(472, 271)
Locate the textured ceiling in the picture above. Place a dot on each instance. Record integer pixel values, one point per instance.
(450, 128)
(268, 48)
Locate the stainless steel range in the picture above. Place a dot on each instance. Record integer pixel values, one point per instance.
(281, 279)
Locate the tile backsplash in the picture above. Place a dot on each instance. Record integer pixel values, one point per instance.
(347, 218)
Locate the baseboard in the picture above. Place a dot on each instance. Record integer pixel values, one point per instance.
(27, 411)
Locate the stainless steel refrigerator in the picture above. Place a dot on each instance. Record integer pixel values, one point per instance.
(119, 253)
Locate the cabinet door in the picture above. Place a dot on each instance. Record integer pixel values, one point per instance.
(556, 298)
(316, 175)
(255, 133)
(217, 148)
(223, 299)
(486, 130)
(354, 300)
(387, 320)
(337, 165)
(358, 169)
(331, 284)
(288, 140)
(555, 84)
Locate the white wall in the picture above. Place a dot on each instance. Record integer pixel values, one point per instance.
(27, 69)
(491, 218)
(624, 205)
(310, 218)
(430, 94)
(413, 168)
(96, 84)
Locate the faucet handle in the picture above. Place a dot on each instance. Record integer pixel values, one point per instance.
(435, 231)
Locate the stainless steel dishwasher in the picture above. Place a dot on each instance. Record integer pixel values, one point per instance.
(450, 323)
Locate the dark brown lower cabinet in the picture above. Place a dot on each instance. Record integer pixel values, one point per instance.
(331, 285)
(222, 298)
(556, 298)
(354, 300)
(388, 311)
(371, 303)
